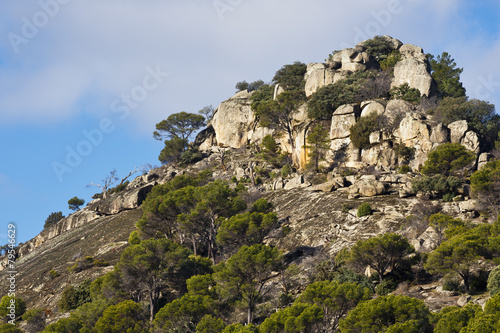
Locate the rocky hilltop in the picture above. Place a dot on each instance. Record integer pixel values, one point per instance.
(235, 125)
(319, 211)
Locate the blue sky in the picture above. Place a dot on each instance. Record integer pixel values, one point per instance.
(67, 68)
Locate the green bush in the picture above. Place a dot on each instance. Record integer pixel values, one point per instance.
(364, 209)
(82, 264)
(391, 60)
(451, 284)
(73, 297)
(448, 197)
(386, 287)
(360, 131)
(327, 99)
(286, 171)
(404, 169)
(5, 303)
(405, 153)
(35, 318)
(437, 185)
(378, 47)
(9, 328)
(53, 219)
(262, 95)
(494, 281)
(447, 159)
(405, 93)
(53, 274)
(345, 208)
(291, 77)
(480, 116)
(190, 156)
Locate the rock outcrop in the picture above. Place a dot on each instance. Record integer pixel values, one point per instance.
(413, 69)
(235, 125)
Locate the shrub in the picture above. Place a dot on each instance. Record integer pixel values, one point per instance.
(405, 93)
(451, 284)
(53, 219)
(244, 85)
(386, 287)
(82, 264)
(73, 297)
(494, 281)
(437, 185)
(35, 318)
(6, 302)
(480, 116)
(327, 99)
(378, 47)
(360, 131)
(190, 156)
(404, 152)
(345, 208)
(447, 159)
(391, 60)
(291, 77)
(260, 96)
(286, 171)
(364, 209)
(404, 169)
(448, 197)
(53, 274)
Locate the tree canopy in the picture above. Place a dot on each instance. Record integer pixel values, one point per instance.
(445, 72)
(379, 314)
(291, 77)
(447, 159)
(243, 276)
(75, 203)
(380, 253)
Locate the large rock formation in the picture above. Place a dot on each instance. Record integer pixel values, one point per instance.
(235, 125)
(413, 69)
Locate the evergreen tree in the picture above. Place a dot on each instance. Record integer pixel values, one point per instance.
(318, 143)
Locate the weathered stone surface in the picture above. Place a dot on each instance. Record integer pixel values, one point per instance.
(294, 182)
(367, 188)
(440, 134)
(124, 200)
(318, 76)
(329, 186)
(278, 89)
(379, 155)
(340, 125)
(458, 130)
(398, 106)
(375, 137)
(343, 118)
(483, 159)
(206, 139)
(233, 120)
(471, 142)
(413, 127)
(370, 107)
(413, 69)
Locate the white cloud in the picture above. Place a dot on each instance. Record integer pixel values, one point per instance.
(94, 51)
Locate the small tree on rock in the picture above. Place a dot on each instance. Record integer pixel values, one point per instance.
(318, 142)
(75, 203)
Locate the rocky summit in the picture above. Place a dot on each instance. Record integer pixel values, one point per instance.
(375, 151)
